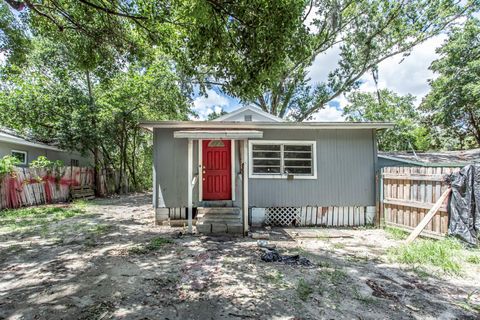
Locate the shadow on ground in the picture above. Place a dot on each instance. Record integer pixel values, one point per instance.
(118, 271)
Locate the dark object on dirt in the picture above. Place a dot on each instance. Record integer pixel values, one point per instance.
(464, 204)
(379, 292)
(274, 256)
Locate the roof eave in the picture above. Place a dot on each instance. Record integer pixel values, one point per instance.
(150, 125)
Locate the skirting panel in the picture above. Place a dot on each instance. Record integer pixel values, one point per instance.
(314, 216)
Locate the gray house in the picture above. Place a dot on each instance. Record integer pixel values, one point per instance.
(27, 150)
(249, 167)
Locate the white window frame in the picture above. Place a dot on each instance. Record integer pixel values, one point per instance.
(282, 175)
(20, 151)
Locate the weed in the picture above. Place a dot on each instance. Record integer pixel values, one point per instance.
(396, 233)
(304, 289)
(100, 229)
(336, 276)
(324, 264)
(275, 277)
(441, 253)
(366, 299)
(339, 245)
(153, 245)
(474, 259)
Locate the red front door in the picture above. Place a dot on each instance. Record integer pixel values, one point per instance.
(217, 170)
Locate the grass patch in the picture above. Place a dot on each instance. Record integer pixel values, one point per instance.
(336, 276)
(153, 245)
(474, 259)
(396, 233)
(275, 277)
(439, 253)
(304, 289)
(27, 219)
(339, 245)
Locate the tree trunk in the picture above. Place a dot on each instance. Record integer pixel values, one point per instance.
(96, 158)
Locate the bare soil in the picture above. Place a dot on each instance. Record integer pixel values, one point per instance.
(71, 273)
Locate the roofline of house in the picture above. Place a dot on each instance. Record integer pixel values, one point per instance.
(248, 107)
(150, 125)
(17, 140)
(424, 164)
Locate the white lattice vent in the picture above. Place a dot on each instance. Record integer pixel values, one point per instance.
(282, 216)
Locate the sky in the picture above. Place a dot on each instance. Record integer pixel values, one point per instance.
(400, 74)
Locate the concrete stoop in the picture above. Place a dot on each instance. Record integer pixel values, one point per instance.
(219, 220)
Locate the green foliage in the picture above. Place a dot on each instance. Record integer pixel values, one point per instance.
(44, 163)
(7, 165)
(474, 259)
(365, 33)
(28, 219)
(304, 289)
(444, 254)
(214, 115)
(153, 245)
(396, 233)
(386, 105)
(454, 100)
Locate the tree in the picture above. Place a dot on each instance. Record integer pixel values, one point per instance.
(365, 33)
(240, 42)
(215, 114)
(54, 100)
(453, 103)
(387, 106)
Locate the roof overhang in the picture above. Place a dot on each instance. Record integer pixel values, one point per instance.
(225, 125)
(219, 134)
(17, 140)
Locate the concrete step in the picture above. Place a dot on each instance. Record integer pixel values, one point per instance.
(219, 228)
(220, 220)
(218, 210)
(217, 203)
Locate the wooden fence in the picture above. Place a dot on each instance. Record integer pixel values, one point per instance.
(29, 186)
(407, 193)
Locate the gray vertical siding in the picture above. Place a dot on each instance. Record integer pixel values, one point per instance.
(345, 171)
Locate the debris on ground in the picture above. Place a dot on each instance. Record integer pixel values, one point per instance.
(274, 256)
(260, 235)
(379, 291)
(265, 244)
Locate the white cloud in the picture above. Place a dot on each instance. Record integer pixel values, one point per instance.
(205, 105)
(410, 75)
(329, 113)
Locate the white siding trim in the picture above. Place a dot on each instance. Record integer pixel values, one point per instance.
(282, 175)
(232, 164)
(189, 185)
(200, 170)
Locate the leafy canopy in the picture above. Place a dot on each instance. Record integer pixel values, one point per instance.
(453, 103)
(387, 106)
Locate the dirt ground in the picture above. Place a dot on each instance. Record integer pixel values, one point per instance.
(99, 266)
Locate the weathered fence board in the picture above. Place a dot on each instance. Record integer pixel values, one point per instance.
(410, 192)
(30, 186)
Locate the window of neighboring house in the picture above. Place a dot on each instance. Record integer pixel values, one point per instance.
(248, 117)
(20, 155)
(74, 162)
(281, 159)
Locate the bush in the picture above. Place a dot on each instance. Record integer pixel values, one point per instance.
(42, 162)
(7, 165)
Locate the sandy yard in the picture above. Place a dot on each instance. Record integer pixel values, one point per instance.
(111, 262)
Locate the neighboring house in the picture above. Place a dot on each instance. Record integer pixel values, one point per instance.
(429, 159)
(249, 159)
(26, 151)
